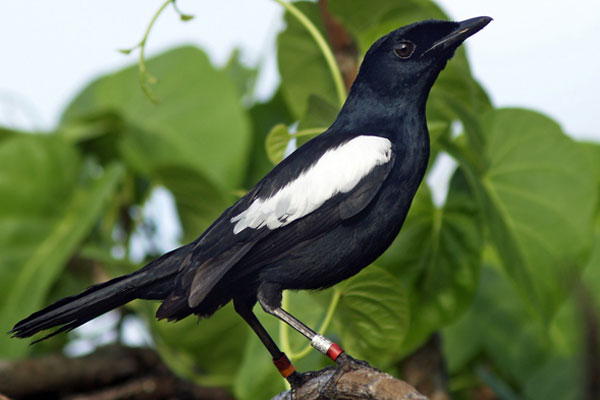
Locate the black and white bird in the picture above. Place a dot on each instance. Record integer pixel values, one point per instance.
(320, 216)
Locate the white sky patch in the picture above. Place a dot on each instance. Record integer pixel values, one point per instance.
(338, 171)
(439, 177)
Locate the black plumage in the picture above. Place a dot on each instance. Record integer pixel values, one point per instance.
(310, 222)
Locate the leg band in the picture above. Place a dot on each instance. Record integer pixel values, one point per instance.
(326, 346)
(284, 365)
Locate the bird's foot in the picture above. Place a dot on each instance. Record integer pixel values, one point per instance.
(296, 380)
(288, 371)
(345, 364)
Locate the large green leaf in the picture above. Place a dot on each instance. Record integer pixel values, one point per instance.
(372, 317)
(319, 115)
(592, 151)
(368, 20)
(199, 123)
(557, 379)
(539, 195)
(438, 256)
(302, 66)
(498, 327)
(46, 212)
(199, 201)
(276, 142)
(264, 117)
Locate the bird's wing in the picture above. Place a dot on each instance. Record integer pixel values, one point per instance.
(364, 191)
(290, 239)
(338, 180)
(338, 170)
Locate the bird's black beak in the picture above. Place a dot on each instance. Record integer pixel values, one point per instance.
(465, 29)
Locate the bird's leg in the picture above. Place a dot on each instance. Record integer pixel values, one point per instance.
(269, 297)
(281, 361)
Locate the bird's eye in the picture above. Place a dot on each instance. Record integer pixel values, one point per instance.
(404, 49)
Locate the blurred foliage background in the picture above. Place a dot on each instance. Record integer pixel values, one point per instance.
(506, 270)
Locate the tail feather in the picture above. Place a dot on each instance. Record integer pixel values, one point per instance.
(154, 281)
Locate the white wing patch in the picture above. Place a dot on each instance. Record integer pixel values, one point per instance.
(337, 171)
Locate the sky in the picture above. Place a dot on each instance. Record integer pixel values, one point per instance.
(536, 54)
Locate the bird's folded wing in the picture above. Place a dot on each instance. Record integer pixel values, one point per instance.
(213, 270)
(339, 170)
(364, 192)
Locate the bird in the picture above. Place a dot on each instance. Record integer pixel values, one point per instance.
(321, 215)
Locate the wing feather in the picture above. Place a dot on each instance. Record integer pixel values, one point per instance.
(338, 170)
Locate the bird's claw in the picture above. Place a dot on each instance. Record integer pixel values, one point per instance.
(296, 380)
(344, 364)
(347, 363)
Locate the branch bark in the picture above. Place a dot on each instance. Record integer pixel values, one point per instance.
(110, 373)
(364, 383)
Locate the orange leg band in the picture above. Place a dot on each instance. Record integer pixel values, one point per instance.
(284, 365)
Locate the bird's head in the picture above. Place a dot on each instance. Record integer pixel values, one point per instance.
(408, 60)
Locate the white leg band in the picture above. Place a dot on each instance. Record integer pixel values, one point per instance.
(321, 343)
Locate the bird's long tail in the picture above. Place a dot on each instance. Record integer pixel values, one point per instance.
(154, 281)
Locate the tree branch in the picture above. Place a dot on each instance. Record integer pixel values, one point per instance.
(363, 383)
(110, 373)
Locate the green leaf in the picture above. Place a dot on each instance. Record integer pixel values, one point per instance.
(437, 256)
(302, 66)
(368, 20)
(539, 196)
(592, 151)
(199, 124)
(46, 213)
(97, 135)
(319, 115)
(558, 379)
(241, 75)
(498, 327)
(456, 93)
(186, 17)
(199, 201)
(7, 133)
(590, 282)
(276, 142)
(264, 116)
(308, 308)
(372, 317)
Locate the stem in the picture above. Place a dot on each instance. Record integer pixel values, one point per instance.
(461, 155)
(144, 75)
(335, 299)
(182, 16)
(334, 69)
(308, 132)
